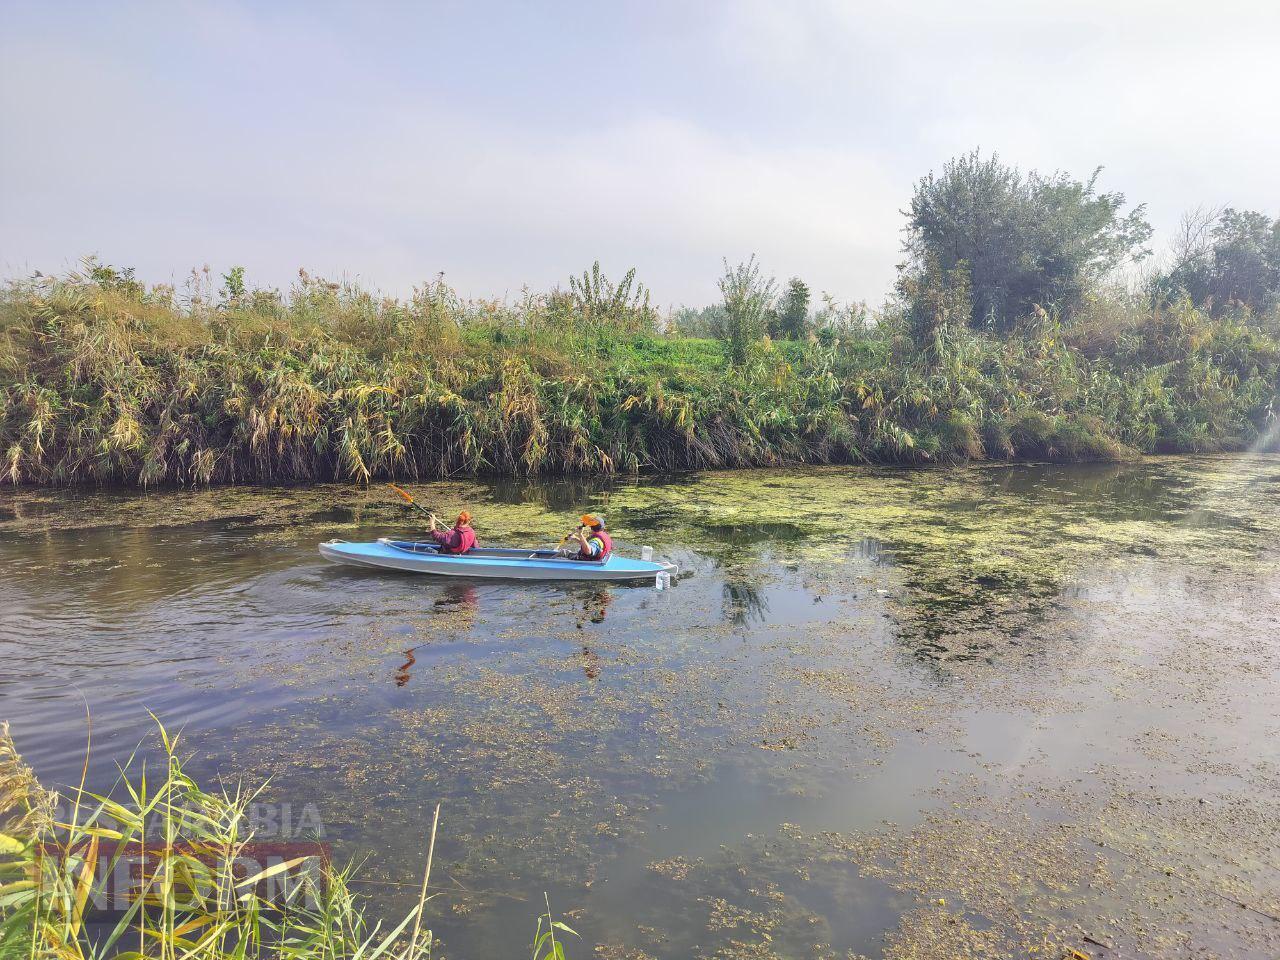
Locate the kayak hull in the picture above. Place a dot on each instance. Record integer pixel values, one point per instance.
(500, 564)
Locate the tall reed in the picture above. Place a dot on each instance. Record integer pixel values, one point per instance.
(164, 860)
(105, 380)
(178, 874)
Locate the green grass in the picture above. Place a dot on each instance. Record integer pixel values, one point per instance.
(104, 380)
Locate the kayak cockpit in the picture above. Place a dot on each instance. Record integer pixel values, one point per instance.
(510, 553)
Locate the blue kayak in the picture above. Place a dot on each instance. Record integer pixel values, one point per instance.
(497, 563)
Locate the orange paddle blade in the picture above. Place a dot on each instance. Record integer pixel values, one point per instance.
(403, 493)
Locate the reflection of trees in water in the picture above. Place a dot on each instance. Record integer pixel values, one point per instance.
(760, 534)
(948, 613)
(872, 550)
(120, 571)
(744, 596)
(962, 598)
(1126, 491)
(744, 602)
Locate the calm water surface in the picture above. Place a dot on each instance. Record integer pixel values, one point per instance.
(882, 712)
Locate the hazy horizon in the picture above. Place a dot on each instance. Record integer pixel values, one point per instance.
(513, 145)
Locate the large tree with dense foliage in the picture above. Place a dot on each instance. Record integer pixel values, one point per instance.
(1026, 240)
(1227, 258)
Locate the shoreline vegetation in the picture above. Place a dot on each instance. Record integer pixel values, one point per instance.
(1007, 337)
(162, 867)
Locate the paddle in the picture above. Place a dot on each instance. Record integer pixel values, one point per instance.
(565, 538)
(404, 495)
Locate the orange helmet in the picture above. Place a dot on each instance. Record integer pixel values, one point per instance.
(589, 520)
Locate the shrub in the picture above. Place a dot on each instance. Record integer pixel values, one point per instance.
(959, 438)
(624, 306)
(748, 296)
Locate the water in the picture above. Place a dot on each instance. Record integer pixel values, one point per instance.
(1047, 697)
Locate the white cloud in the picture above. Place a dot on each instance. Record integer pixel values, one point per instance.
(796, 134)
(1178, 101)
(492, 208)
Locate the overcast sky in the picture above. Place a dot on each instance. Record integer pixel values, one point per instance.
(512, 144)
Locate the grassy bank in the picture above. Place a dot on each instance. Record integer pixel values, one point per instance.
(103, 379)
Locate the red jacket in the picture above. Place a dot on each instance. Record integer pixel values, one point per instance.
(606, 546)
(456, 540)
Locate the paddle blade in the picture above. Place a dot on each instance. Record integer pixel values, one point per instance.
(404, 494)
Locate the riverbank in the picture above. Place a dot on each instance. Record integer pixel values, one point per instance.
(105, 380)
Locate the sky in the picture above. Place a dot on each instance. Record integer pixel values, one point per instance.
(511, 144)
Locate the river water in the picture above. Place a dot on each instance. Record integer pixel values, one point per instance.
(881, 712)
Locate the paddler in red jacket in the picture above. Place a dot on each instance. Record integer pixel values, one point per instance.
(593, 542)
(458, 539)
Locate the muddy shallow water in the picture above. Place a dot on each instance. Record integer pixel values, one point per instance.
(999, 710)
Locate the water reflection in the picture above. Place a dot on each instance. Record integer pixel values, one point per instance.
(456, 606)
(590, 664)
(872, 550)
(402, 674)
(595, 605)
(745, 602)
(461, 597)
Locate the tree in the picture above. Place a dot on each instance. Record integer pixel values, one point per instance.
(233, 287)
(790, 319)
(1027, 241)
(699, 321)
(747, 299)
(1225, 258)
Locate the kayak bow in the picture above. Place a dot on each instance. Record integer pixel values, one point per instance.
(488, 562)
